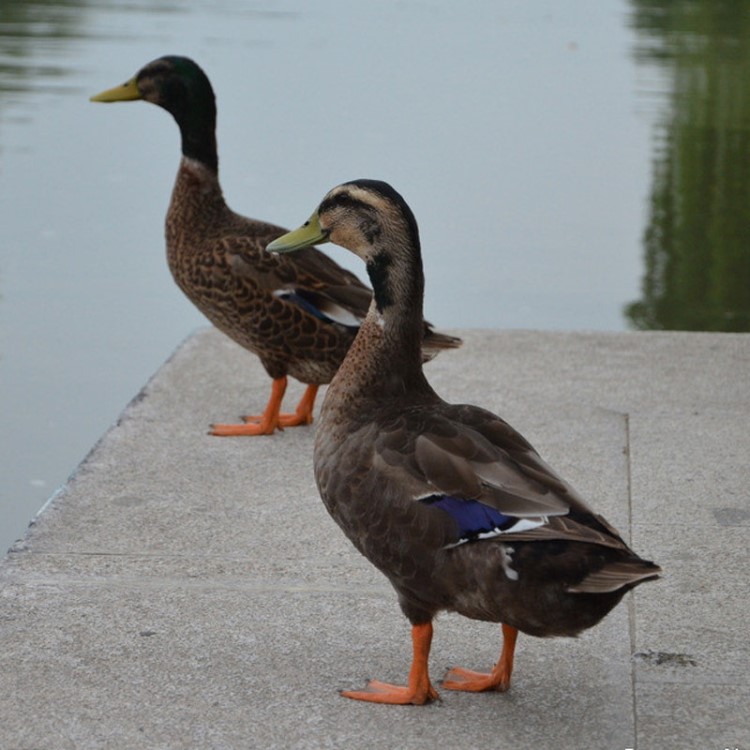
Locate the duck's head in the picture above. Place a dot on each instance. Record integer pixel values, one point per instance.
(178, 85)
(367, 217)
(372, 220)
(175, 83)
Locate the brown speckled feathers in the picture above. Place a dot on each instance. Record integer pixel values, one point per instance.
(218, 259)
(298, 315)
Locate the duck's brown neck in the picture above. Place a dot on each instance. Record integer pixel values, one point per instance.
(197, 199)
(385, 360)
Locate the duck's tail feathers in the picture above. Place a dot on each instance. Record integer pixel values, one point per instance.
(617, 575)
(434, 342)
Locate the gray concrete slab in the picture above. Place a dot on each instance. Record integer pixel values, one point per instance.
(185, 591)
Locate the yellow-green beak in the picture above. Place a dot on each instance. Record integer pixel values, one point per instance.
(308, 234)
(128, 92)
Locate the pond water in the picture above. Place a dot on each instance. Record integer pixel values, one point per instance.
(578, 165)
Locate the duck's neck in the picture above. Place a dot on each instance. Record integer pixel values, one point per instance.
(197, 123)
(385, 360)
(197, 198)
(197, 201)
(198, 176)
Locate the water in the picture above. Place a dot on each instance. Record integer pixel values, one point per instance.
(537, 143)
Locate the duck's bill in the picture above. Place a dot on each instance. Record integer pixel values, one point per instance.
(128, 92)
(308, 234)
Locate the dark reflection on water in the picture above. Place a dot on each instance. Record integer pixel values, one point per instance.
(38, 39)
(32, 30)
(697, 240)
(25, 29)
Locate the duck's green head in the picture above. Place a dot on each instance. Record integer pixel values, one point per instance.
(172, 82)
(178, 85)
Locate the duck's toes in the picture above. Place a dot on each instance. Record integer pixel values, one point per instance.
(384, 692)
(295, 420)
(459, 678)
(262, 427)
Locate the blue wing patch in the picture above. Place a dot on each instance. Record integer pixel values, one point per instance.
(306, 305)
(311, 306)
(476, 520)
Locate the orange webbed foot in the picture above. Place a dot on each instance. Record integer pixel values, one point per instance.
(282, 420)
(418, 691)
(294, 420)
(271, 419)
(246, 428)
(498, 679)
(459, 678)
(397, 695)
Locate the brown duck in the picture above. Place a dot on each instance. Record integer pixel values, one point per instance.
(299, 315)
(452, 504)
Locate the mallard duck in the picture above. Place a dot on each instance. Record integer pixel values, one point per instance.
(450, 502)
(299, 315)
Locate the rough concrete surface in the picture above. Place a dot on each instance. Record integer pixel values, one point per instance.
(186, 591)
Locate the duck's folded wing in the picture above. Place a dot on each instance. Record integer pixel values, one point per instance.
(505, 473)
(309, 279)
(442, 456)
(334, 305)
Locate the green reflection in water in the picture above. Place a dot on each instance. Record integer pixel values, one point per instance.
(26, 29)
(697, 242)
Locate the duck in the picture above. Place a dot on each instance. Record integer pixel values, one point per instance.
(298, 315)
(450, 502)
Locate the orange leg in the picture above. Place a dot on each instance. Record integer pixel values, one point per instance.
(272, 419)
(419, 689)
(459, 678)
(303, 414)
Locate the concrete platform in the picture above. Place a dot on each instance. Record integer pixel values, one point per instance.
(185, 591)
